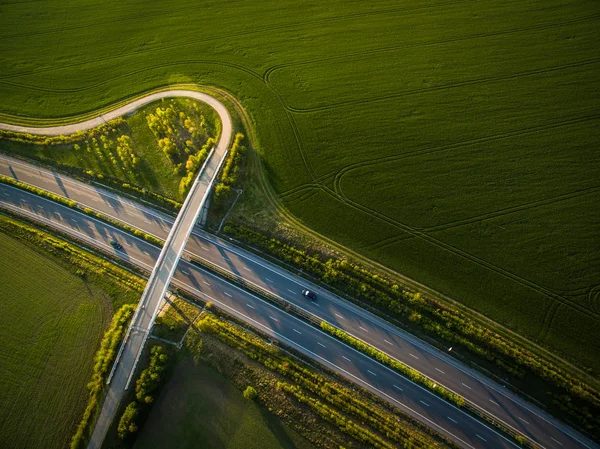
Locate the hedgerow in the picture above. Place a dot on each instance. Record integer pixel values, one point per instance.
(147, 385)
(229, 174)
(102, 364)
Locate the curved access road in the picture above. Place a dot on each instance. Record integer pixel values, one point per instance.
(125, 110)
(166, 262)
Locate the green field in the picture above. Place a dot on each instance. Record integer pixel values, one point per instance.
(198, 407)
(52, 322)
(455, 142)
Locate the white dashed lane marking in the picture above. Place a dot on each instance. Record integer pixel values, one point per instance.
(412, 355)
(321, 344)
(465, 385)
(273, 318)
(389, 342)
(206, 283)
(291, 291)
(346, 358)
(453, 420)
(437, 369)
(252, 307)
(494, 402)
(366, 330)
(340, 316)
(424, 403)
(268, 280)
(297, 331)
(398, 388)
(480, 437)
(522, 420)
(372, 372)
(227, 294)
(556, 441)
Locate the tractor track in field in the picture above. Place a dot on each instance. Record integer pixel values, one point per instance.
(265, 29)
(337, 175)
(475, 219)
(267, 74)
(100, 24)
(474, 82)
(593, 298)
(544, 291)
(109, 81)
(173, 12)
(453, 146)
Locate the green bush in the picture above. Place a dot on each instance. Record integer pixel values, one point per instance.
(151, 377)
(41, 192)
(229, 174)
(250, 393)
(127, 423)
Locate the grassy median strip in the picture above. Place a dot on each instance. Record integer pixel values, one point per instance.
(394, 364)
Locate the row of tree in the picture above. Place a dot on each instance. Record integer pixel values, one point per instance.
(146, 388)
(229, 174)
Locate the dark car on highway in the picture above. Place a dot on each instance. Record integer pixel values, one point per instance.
(116, 245)
(309, 294)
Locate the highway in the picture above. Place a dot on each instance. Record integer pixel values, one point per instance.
(545, 430)
(479, 390)
(423, 405)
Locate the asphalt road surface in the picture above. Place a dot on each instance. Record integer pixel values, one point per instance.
(540, 427)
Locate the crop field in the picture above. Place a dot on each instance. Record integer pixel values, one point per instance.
(200, 407)
(453, 141)
(51, 325)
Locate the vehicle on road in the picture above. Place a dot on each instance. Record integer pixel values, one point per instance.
(309, 294)
(116, 245)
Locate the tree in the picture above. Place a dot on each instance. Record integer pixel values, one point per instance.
(250, 393)
(127, 424)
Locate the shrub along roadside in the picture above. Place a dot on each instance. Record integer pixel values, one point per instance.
(102, 363)
(352, 411)
(229, 174)
(571, 396)
(394, 364)
(146, 388)
(41, 192)
(86, 210)
(105, 180)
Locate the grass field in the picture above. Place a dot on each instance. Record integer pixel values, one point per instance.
(52, 322)
(455, 142)
(200, 408)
